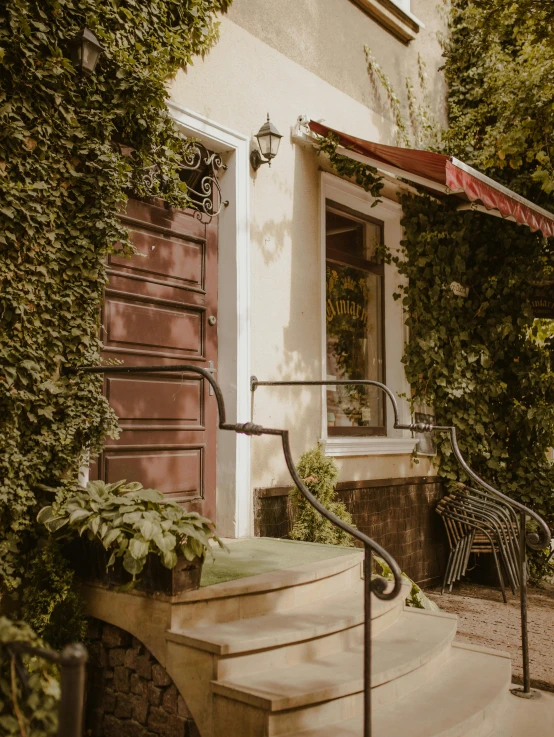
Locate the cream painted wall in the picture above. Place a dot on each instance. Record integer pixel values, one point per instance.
(241, 80)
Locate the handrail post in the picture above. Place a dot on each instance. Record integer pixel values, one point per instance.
(368, 570)
(72, 660)
(526, 692)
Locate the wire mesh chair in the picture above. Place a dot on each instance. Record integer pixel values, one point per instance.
(476, 523)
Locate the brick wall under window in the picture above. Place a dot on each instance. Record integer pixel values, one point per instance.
(399, 514)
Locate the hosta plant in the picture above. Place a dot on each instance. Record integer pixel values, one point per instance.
(131, 522)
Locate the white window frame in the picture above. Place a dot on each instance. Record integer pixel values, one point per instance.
(396, 442)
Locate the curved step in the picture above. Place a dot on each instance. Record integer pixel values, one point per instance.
(316, 619)
(305, 693)
(463, 701)
(266, 593)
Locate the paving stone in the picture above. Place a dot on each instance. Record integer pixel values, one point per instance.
(159, 676)
(121, 679)
(143, 667)
(124, 706)
(139, 685)
(139, 708)
(168, 725)
(115, 637)
(154, 694)
(130, 659)
(169, 700)
(116, 656)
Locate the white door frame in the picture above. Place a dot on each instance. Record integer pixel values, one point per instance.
(234, 497)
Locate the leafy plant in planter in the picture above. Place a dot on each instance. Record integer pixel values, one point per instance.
(134, 525)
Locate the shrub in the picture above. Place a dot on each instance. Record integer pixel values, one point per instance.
(319, 473)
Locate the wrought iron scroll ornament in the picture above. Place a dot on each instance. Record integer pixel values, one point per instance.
(199, 169)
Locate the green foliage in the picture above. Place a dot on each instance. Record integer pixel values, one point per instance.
(472, 358)
(364, 175)
(34, 714)
(50, 602)
(319, 473)
(64, 179)
(131, 522)
(416, 598)
(500, 72)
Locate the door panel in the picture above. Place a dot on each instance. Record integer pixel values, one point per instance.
(156, 310)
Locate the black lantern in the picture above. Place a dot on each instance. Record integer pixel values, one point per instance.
(85, 51)
(269, 139)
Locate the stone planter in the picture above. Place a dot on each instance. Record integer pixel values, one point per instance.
(89, 558)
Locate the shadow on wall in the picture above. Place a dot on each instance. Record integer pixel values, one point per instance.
(129, 694)
(298, 354)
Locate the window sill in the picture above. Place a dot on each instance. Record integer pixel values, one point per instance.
(400, 23)
(368, 446)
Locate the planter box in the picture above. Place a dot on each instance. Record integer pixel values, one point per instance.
(89, 558)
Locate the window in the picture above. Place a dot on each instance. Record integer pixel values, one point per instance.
(394, 15)
(352, 225)
(354, 321)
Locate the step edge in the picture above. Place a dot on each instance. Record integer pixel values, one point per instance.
(273, 580)
(251, 696)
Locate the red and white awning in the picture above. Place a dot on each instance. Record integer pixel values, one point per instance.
(444, 174)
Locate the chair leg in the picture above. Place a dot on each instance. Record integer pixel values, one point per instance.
(444, 579)
(500, 577)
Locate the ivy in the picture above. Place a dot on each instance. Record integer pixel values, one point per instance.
(64, 177)
(500, 73)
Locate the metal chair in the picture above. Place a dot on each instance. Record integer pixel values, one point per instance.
(475, 523)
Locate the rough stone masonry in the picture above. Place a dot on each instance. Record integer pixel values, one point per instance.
(129, 694)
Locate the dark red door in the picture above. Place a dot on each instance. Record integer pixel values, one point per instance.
(156, 311)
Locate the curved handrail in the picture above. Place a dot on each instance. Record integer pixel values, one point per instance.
(378, 584)
(534, 540)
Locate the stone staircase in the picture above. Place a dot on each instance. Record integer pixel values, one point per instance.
(281, 654)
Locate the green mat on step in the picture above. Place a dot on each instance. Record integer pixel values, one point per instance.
(261, 555)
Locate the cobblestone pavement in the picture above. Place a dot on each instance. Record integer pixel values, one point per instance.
(484, 620)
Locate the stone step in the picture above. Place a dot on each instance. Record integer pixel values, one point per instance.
(315, 619)
(316, 692)
(281, 639)
(266, 593)
(464, 700)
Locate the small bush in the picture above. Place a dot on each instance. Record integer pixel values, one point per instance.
(319, 473)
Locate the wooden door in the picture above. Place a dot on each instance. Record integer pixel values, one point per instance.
(156, 311)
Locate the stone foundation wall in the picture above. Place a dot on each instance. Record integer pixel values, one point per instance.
(399, 514)
(129, 694)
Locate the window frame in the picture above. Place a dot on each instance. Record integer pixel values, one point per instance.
(344, 259)
(396, 442)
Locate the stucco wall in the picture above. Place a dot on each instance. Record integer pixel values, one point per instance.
(313, 63)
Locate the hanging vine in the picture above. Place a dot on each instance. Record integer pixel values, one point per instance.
(64, 179)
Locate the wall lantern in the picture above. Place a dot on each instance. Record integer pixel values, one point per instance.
(85, 51)
(269, 139)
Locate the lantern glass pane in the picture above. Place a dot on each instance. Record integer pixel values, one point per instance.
(274, 144)
(90, 57)
(265, 144)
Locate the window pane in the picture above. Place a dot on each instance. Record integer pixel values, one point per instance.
(354, 346)
(357, 237)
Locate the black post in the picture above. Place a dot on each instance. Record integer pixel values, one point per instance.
(72, 661)
(523, 601)
(368, 570)
(526, 692)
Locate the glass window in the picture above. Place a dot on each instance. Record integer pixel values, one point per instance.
(354, 312)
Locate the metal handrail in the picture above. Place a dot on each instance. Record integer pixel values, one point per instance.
(535, 540)
(72, 660)
(377, 585)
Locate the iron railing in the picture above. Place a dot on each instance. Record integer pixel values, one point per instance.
(376, 585)
(538, 539)
(71, 660)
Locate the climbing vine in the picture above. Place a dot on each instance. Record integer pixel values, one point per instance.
(481, 361)
(65, 173)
